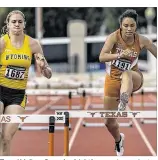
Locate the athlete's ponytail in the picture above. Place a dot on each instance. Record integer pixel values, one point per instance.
(3, 30)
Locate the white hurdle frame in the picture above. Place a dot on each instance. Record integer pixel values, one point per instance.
(47, 92)
(90, 92)
(100, 91)
(99, 124)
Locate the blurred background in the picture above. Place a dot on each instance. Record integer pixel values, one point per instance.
(72, 39)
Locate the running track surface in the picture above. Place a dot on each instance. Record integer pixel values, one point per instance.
(140, 140)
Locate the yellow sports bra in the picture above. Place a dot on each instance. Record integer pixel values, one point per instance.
(14, 64)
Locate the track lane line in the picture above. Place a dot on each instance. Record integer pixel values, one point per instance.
(46, 106)
(77, 126)
(143, 136)
(152, 97)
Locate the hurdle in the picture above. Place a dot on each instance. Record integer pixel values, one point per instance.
(37, 93)
(70, 106)
(49, 94)
(99, 92)
(142, 120)
(91, 92)
(38, 128)
(132, 104)
(82, 106)
(51, 120)
(57, 92)
(52, 132)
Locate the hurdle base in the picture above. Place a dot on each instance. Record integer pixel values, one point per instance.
(87, 124)
(127, 124)
(148, 121)
(41, 128)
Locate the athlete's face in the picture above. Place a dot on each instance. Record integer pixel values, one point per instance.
(128, 26)
(16, 24)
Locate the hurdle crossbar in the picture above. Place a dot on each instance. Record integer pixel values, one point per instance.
(100, 91)
(86, 124)
(91, 124)
(148, 121)
(31, 108)
(135, 104)
(64, 107)
(50, 92)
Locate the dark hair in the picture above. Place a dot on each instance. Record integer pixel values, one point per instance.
(129, 13)
(5, 29)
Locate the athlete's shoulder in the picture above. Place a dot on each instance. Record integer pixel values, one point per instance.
(32, 41)
(113, 37)
(2, 40)
(34, 44)
(143, 40)
(5, 37)
(142, 37)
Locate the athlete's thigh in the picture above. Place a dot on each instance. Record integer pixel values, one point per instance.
(1, 112)
(14, 109)
(1, 107)
(111, 103)
(10, 128)
(111, 93)
(137, 79)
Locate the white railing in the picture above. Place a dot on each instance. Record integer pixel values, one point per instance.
(101, 39)
(88, 39)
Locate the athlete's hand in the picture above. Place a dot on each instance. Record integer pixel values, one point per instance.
(40, 60)
(125, 53)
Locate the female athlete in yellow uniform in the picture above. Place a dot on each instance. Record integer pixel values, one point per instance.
(16, 51)
(120, 53)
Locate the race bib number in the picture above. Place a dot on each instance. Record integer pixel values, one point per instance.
(122, 64)
(17, 73)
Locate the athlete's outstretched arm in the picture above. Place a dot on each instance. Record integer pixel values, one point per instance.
(40, 59)
(149, 45)
(105, 54)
